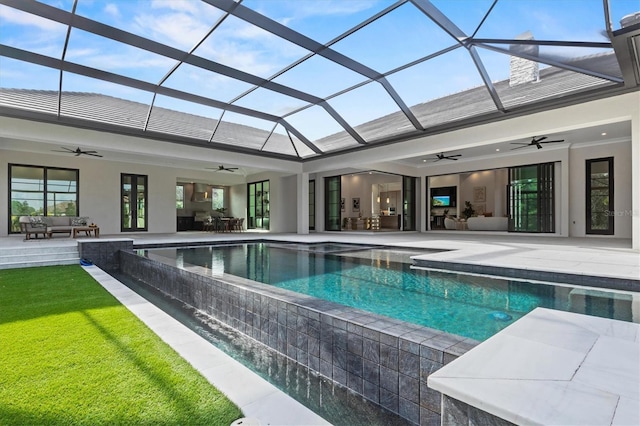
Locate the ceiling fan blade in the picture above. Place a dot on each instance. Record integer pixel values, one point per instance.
(559, 140)
(519, 147)
(65, 150)
(95, 155)
(523, 144)
(535, 141)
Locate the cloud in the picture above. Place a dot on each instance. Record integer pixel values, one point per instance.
(16, 17)
(112, 9)
(177, 23)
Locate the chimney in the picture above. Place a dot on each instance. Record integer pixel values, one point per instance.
(629, 20)
(523, 70)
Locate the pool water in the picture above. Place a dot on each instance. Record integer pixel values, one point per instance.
(374, 280)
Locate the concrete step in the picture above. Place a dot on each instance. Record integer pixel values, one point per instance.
(27, 257)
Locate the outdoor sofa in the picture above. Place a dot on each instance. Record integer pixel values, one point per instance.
(49, 225)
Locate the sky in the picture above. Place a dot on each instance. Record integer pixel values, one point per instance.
(402, 36)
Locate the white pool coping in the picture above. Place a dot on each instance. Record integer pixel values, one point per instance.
(256, 397)
(552, 368)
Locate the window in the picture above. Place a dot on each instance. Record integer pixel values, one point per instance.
(217, 199)
(134, 202)
(599, 197)
(179, 196)
(43, 191)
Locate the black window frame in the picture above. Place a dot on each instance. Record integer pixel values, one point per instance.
(588, 198)
(312, 205)
(45, 192)
(134, 184)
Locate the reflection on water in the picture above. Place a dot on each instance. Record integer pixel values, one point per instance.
(333, 402)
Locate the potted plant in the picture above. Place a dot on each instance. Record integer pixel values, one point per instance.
(468, 210)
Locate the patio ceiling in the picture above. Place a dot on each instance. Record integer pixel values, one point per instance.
(300, 79)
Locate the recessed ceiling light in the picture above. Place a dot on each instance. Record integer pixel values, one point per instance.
(497, 149)
(424, 161)
(603, 133)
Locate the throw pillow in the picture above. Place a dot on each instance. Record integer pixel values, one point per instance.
(37, 222)
(79, 221)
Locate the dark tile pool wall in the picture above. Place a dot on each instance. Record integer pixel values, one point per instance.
(104, 254)
(385, 360)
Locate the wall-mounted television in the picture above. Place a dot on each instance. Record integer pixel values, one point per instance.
(441, 201)
(444, 196)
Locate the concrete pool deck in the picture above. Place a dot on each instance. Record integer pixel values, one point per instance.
(549, 367)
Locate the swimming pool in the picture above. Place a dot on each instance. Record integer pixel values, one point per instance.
(381, 280)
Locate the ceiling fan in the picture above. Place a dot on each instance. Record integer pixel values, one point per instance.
(77, 151)
(535, 142)
(222, 168)
(441, 156)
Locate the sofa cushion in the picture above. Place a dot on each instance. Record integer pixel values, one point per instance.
(60, 221)
(37, 222)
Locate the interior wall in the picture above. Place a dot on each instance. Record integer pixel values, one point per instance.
(494, 182)
(367, 187)
(621, 153)
(191, 207)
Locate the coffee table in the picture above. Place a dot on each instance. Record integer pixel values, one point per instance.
(87, 230)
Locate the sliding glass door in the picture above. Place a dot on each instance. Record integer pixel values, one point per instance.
(312, 205)
(408, 203)
(258, 202)
(332, 203)
(531, 198)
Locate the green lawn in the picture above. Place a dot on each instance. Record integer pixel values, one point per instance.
(70, 353)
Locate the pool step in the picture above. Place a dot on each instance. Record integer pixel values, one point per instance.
(27, 257)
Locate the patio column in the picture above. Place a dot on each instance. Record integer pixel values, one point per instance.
(303, 202)
(635, 178)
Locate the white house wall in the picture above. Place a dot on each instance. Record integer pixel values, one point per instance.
(621, 153)
(282, 200)
(99, 189)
